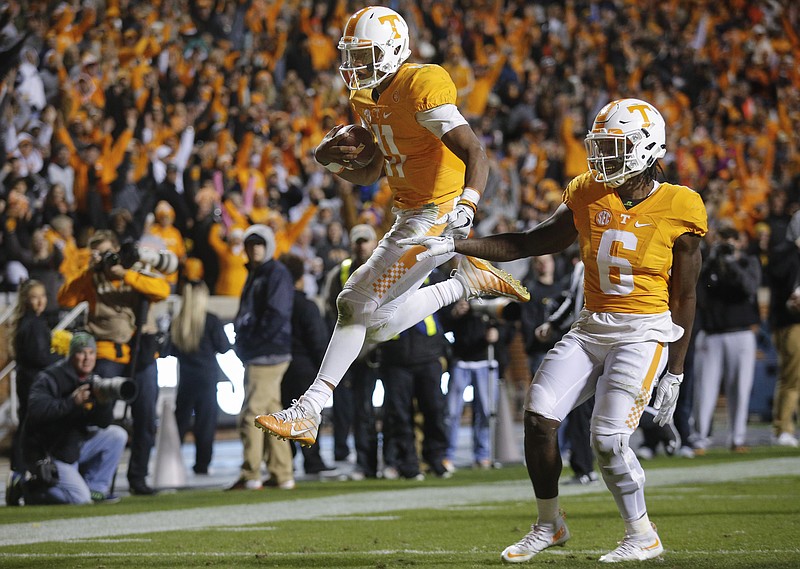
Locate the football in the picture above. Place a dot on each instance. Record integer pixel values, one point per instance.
(360, 137)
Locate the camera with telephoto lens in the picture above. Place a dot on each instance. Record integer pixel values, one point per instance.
(114, 388)
(163, 261)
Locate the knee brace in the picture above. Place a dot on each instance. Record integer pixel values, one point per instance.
(354, 307)
(618, 462)
(622, 473)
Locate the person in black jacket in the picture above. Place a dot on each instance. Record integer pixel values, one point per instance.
(352, 404)
(30, 346)
(309, 342)
(264, 344)
(70, 446)
(197, 336)
(411, 368)
(726, 351)
(471, 364)
(546, 295)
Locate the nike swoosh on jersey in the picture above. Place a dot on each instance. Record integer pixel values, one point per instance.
(295, 433)
(637, 224)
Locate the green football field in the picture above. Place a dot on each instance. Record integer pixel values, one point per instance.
(721, 510)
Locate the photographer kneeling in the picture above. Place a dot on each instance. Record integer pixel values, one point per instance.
(70, 446)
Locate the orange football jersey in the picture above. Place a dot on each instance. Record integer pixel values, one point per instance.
(628, 252)
(419, 167)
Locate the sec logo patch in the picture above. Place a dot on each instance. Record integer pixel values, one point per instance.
(602, 218)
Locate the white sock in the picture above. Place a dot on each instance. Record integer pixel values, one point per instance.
(639, 527)
(318, 394)
(548, 510)
(343, 348)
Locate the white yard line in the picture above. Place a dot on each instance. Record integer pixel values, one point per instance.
(362, 503)
(373, 553)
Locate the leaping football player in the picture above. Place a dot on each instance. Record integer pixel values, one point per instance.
(640, 243)
(437, 170)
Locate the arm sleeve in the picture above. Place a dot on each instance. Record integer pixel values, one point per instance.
(154, 288)
(441, 120)
(45, 403)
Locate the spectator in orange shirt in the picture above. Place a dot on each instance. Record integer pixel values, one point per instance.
(60, 234)
(232, 260)
(164, 229)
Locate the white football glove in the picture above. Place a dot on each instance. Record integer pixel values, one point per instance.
(435, 245)
(666, 400)
(459, 221)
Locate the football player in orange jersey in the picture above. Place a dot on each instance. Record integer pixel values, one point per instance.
(640, 244)
(436, 168)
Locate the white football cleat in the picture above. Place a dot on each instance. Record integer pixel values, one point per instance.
(635, 548)
(538, 539)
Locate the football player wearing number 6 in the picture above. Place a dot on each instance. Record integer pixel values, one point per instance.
(437, 170)
(640, 244)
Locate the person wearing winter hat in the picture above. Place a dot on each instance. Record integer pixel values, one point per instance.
(70, 446)
(263, 328)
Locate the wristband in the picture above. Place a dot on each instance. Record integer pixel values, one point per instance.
(333, 167)
(678, 376)
(470, 197)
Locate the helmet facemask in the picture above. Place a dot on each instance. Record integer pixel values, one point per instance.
(361, 63)
(614, 158)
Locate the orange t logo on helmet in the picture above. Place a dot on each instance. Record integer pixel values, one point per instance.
(643, 111)
(391, 18)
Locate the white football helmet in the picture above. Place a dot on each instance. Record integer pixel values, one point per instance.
(374, 45)
(627, 137)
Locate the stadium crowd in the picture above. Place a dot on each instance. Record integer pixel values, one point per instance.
(185, 122)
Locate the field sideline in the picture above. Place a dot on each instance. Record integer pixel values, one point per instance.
(257, 529)
(367, 503)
